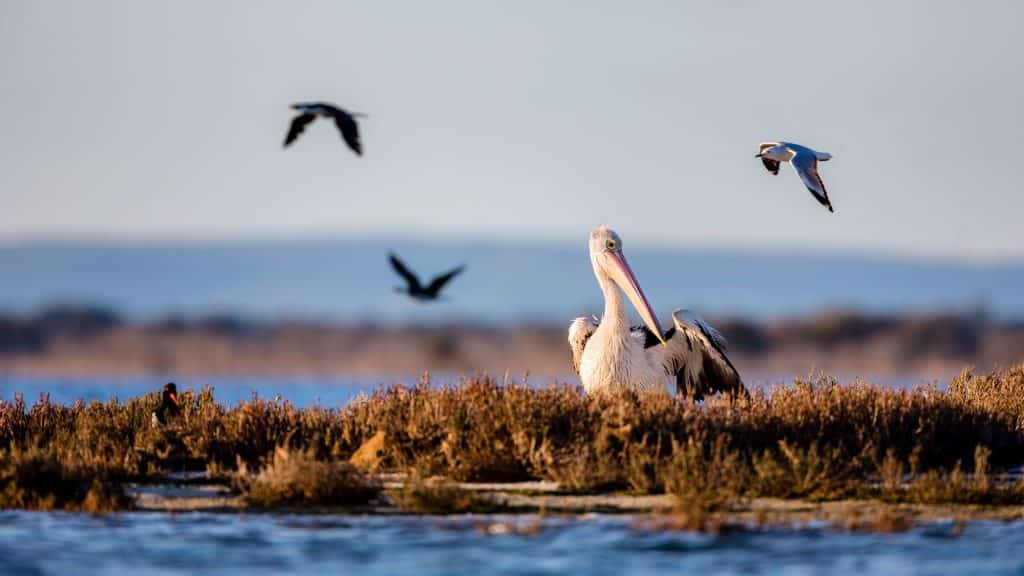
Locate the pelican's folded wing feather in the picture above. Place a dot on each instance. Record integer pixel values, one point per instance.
(648, 337)
(580, 331)
(696, 355)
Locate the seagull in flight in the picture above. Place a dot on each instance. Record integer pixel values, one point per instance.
(413, 288)
(345, 121)
(804, 161)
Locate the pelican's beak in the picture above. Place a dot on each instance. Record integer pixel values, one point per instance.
(759, 154)
(173, 397)
(622, 274)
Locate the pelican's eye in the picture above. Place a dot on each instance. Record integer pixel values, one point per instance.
(611, 245)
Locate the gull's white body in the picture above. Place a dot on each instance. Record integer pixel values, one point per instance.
(610, 355)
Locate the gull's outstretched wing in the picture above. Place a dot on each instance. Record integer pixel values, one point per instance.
(806, 165)
(346, 124)
(404, 272)
(696, 355)
(580, 331)
(437, 283)
(298, 125)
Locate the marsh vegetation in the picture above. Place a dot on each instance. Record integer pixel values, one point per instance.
(812, 440)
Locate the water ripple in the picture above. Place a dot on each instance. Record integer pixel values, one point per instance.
(198, 543)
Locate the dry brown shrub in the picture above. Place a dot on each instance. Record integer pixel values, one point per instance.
(297, 478)
(37, 479)
(705, 477)
(955, 486)
(886, 520)
(441, 496)
(891, 471)
(794, 472)
(813, 439)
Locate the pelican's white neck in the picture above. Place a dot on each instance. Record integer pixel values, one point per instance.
(614, 308)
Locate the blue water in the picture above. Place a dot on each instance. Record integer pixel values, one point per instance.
(327, 391)
(199, 543)
(303, 392)
(350, 279)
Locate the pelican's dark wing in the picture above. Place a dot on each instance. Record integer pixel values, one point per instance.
(297, 126)
(437, 283)
(806, 166)
(346, 124)
(580, 331)
(696, 355)
(650, 339)
(410, 278)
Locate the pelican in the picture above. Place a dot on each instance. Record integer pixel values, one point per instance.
(804, 161)
(345, 121)
(609, 354)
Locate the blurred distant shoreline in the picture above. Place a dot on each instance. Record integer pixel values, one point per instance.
(93, 341)
(349, 280)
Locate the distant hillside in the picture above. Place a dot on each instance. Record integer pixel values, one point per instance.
(350, 280)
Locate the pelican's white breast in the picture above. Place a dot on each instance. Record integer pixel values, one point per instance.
(614, 360)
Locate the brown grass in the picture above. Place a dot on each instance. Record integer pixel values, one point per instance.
(297, 478)
(440, 496)
(887, 520)
(37, 479)
(955, 487)
(814, 440)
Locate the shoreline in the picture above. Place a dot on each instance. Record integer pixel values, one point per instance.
(90, 343)
(815, 451)
(526, 499)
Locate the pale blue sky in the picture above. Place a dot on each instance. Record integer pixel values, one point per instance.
(532, 121)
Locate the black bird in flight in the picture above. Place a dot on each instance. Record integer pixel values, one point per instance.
(416, 290)
(345, 121)
(168, 407)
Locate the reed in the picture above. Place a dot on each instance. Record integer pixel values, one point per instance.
(38, 479)
(440, 496)
(812, 439)
(293, 478)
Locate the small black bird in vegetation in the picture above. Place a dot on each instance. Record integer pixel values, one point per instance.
(345, 121)
(168, 407)
(416, 290)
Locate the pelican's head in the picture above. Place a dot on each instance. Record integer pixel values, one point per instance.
(610, 264)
